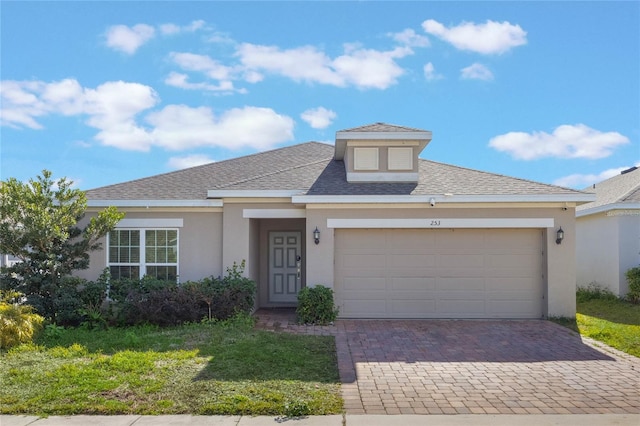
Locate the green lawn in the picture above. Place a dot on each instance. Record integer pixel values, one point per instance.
(609, 320)
(199, 369)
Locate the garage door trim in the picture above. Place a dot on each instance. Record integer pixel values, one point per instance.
(441, 223)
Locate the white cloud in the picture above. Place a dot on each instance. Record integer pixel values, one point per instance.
(566, 141)
(181, 81)
(362, 68)
(202, 63)
(430, 72)
(129, 39)
(188, 161)
(114, 109)
(476, 72)
(171, 29)
(178, 127)
(488, 38)
(318, 118)
(20, 103)
(408, 37)
(111, 107)
(195, 25)
(583, 180)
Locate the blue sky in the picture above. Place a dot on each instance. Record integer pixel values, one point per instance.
(105, 92)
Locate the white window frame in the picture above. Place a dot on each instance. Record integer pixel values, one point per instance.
(366, 159)
(142, 264)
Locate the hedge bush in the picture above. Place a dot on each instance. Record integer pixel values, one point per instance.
(633, 279)
(315, 305)
(167, 303)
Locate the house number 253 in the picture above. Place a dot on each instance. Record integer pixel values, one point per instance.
(435, 223)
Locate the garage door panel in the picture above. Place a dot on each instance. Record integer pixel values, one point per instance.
(514, 309)
(454, 273)
(361, 238)
(461, 308)
(514, 284)
(366, 285)
(400, 239)
(413, 283)
(461, 261)
(363, 260)
(526, 262)
(461, 283)
(411, 260)
(439, 273)
(368, 308)
(504, 238)
(413, 308)
(459, 238)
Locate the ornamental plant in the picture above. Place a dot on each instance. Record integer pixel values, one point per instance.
(315, 306)
(18, 323)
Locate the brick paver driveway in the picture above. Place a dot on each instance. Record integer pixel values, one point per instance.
(492, 367)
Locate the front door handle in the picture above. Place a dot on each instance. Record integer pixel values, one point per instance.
(299, 266)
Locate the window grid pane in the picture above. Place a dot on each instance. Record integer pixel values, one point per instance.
(124, 246)
(160, 257)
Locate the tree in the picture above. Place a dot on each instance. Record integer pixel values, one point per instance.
(39, 224)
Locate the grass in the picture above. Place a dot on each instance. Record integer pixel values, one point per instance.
(224, 368)
(604, 317)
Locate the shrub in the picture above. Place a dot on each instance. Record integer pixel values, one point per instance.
(315, 305)
(633, 279)
(594, 291)
(167, 303)
(18, 323)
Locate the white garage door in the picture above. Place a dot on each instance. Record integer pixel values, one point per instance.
(439, 273)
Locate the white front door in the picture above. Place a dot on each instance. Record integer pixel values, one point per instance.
(285, 266)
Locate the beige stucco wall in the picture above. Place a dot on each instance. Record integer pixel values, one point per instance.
(200, 244)
(559, 262)
(607, 247)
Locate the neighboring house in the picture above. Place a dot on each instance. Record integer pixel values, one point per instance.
(395, 236)
(8, 260)
(608, 233)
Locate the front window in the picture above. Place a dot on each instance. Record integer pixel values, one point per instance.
(134, 253)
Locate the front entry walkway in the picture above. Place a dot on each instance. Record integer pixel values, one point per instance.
(473, 367)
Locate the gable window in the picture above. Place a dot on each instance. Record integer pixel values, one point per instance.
(400, 158)
(365, 158)
(134, 253)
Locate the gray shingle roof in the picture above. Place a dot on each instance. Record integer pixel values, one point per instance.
(620, 189)
(310, 167)
(434, 178)
(382, 127)
(285, 168)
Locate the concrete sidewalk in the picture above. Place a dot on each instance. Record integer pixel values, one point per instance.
(337, 420)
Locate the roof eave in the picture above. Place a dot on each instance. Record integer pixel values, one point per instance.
(443, 199)
(154, 203)
(606, 208)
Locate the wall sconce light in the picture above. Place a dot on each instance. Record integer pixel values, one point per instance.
(316, 236)
(559, 236)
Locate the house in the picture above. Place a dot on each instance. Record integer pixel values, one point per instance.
(394, 235)
(608, 233)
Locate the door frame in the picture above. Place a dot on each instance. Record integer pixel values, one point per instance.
(264, 227)
(295, 265)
